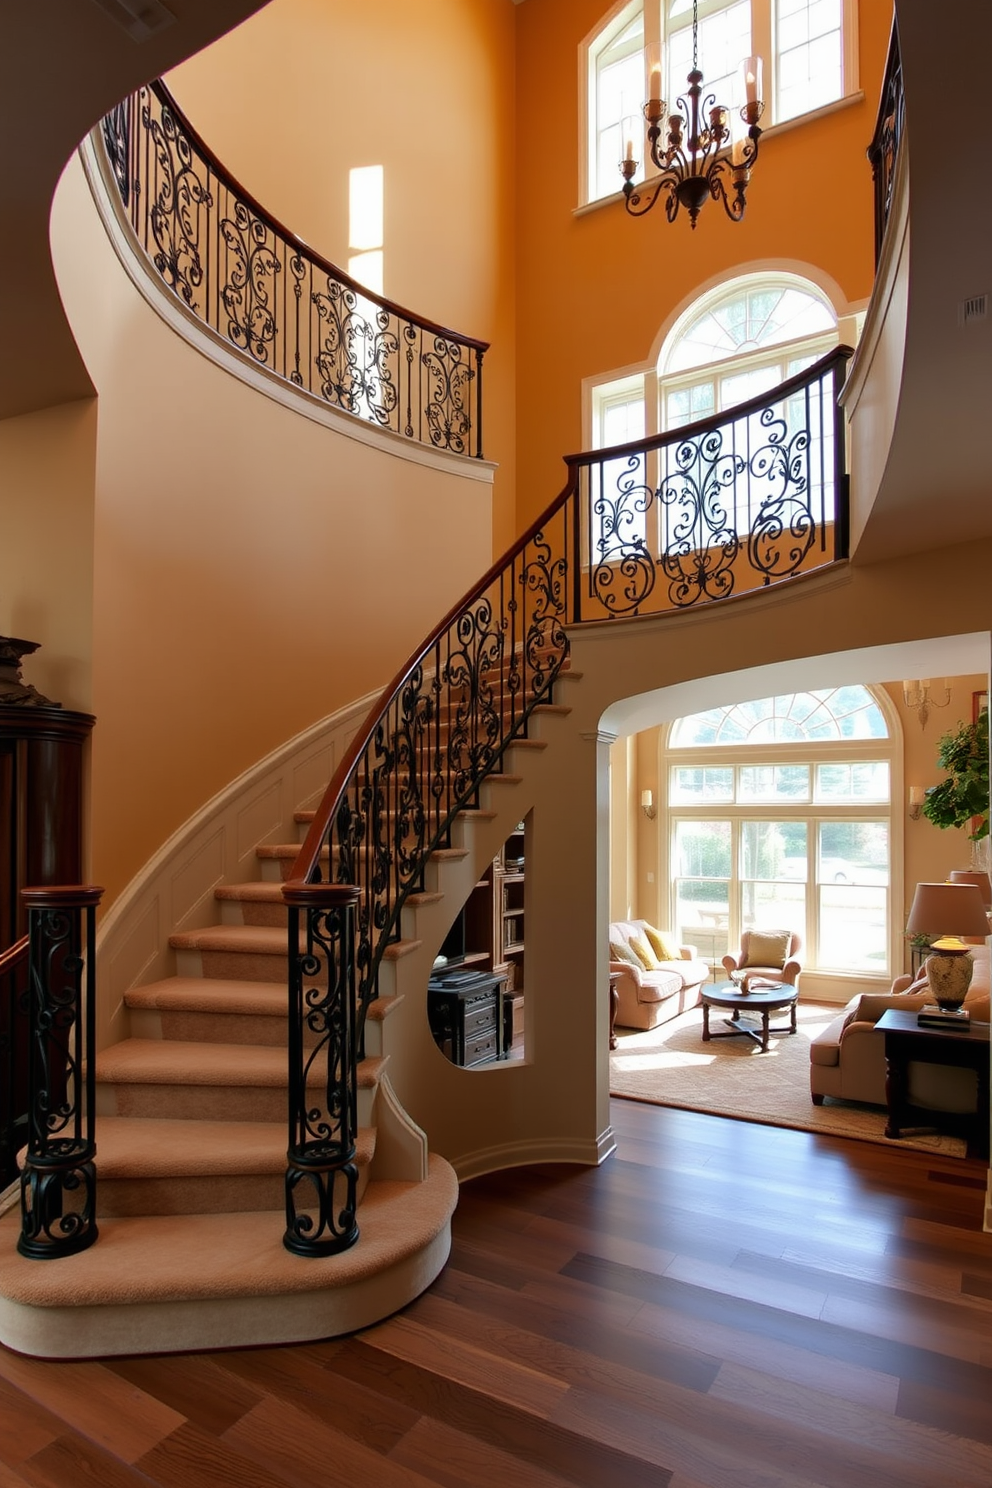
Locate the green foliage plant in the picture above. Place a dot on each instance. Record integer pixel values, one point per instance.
(963, 798)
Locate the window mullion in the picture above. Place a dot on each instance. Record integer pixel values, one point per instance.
(762, 45)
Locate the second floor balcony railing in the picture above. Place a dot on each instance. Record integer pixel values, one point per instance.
(255, 284)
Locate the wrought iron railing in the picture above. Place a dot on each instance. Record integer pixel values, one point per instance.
(58, 1179)
(255, 284)
(885, 141)
(736, 502)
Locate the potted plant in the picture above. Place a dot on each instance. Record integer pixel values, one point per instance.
(962, 800)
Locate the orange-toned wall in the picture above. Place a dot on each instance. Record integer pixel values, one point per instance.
(295, 97)
(594, 289)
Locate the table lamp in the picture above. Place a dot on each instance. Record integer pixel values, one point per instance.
(944, 912)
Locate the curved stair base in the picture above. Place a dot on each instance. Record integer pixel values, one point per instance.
(213, 1281)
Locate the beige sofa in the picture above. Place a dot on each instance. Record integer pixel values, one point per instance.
(646, 998)
(847, 1060)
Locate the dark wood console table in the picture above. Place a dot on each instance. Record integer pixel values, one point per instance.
(465, 1010)
(906, 1040)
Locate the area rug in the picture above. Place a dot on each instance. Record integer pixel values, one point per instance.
(671, 1066)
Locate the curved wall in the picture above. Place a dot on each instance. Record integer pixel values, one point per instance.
(307, 89)
(253, 571)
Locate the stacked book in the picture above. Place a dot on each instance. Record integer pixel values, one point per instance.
(937, 1017)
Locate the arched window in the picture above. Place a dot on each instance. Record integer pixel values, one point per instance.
(738, 342)
(779, 817)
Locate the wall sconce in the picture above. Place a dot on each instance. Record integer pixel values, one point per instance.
(917, 795)
(647, 804)
(918, 695)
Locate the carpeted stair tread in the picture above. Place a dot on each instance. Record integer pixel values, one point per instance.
(142, 1147)
(188, 1258)
(211, 995)
(171, 1062)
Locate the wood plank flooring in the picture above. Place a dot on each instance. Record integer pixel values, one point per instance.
(721, 1305)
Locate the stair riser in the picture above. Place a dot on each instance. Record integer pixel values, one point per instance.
(120, 1198)
(208, 1102)
(236, 966)
(253, 912)
(213, 1028)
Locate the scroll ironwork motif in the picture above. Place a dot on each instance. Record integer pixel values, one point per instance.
(58, 1180)
(889, 128)
(732, 501)
(285, 308)
(322, 1175)
(741, 501)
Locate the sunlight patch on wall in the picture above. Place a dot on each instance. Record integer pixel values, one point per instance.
(365, 225)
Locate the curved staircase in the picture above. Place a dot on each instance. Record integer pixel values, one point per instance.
(192, 1139)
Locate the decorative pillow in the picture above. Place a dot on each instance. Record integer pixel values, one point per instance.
(664, 946)
(644, 953)
(621, 951)
(768, 947)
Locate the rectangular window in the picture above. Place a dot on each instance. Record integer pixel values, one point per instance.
(703, 860)
(691, 787)
(616, 96)
(618, 515)
(771, 783)
(809, 50)
(844, 784)
(809, 56)
(724, 42)
(827, 880)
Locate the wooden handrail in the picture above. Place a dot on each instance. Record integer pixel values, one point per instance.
(239, 271)
(13, 955)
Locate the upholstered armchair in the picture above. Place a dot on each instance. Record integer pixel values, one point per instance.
(772, 955)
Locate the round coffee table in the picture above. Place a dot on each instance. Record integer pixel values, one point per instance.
(731, 998)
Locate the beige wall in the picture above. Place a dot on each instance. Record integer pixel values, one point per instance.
(46, 551)
(252, 570)
(426, 91)
(931, 853)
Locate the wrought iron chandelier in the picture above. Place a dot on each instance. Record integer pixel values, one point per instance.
(698, 159)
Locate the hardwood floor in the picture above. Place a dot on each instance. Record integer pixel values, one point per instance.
(721, 1305)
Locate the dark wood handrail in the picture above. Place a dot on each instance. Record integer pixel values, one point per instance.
(276, 302)
(13, 955)
(158, 87)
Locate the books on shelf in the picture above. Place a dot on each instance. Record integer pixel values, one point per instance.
(937, 1017)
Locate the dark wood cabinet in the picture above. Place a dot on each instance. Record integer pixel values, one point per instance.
(491, 941)
(41, 805)
(41, 841)
(465, 1009)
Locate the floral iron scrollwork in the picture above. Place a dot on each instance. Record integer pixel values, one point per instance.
(248, 293)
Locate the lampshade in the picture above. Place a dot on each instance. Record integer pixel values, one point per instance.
(948, 909)
(981, 881)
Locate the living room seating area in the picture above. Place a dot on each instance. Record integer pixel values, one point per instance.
(847, 1060)
(655, 978)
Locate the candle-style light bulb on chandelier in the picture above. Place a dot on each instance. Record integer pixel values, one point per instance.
(698, 158)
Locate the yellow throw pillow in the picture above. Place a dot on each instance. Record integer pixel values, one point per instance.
(664, 946)
(768, 947)
(621, 951)
(644, 953)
